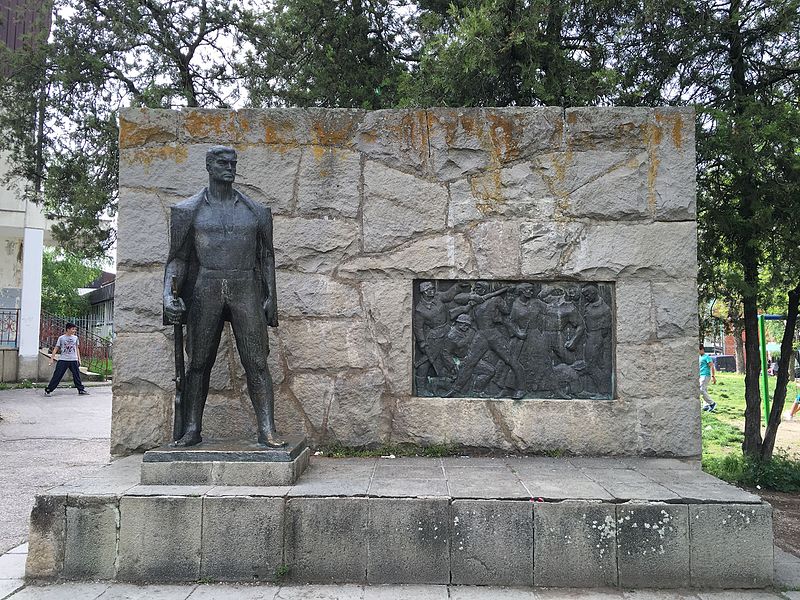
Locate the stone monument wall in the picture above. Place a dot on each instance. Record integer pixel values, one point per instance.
(365, 203)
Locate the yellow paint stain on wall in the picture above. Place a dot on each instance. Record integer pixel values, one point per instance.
(145, 156)
(132, 135)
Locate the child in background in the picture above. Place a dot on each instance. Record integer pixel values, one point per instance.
(69, 357)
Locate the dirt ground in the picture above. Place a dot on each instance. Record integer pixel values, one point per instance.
(785, 519)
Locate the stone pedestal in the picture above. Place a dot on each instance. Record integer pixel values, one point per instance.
(226, 462)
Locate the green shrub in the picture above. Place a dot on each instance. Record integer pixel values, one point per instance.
(781, 473)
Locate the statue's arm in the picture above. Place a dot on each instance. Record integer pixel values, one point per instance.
(268, 270)
(177, 268)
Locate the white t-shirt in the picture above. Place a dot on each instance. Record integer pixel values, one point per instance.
(68, 345)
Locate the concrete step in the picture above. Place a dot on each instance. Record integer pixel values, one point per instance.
(633, 523)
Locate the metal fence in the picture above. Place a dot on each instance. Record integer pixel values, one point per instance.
(9, 327)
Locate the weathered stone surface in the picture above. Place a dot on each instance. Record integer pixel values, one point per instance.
(314, 391)
(387, 303)
(326, 539)
(652, 545)
(147, 127)
(292, 127)
(229, 414)
(215, 126)
(611, 251)
(635, 311)
(673, 158)
(438, 256)
(607, 128)
(397, 207)
(409, 540)
(256, 525)
(328, 182)
(174, 168)
(397, 138)
(495, 245)
(676, 309)
(575, 544)
(731, 545)
(154, 367)
(480, 552)
(159, 538)
(430, 421)
(268, 175)
(312, 344)
(618, 194)
(177, 473)
(635, 364)
(546, 245)
(90, 550)
(46, 537)
(308, 295)
(142, 234)
(357, 413)
(141, 418)
(138, 305)
(314, 245)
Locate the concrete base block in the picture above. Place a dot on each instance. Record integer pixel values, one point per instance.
(91, 538)
(159, 538)
(409, 540)
(575, 544)
(480, 552)
(326, 539)
(46, 538)
(242, 538)
(731, 545)
(653, 545)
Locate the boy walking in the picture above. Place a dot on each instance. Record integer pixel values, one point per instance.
(707, 373)
(69, 357)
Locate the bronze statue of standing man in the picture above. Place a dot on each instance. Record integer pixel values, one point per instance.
(222, 265)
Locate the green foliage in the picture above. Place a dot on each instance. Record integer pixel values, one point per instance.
(62, 275)
(780, 473)
(337, 450)
(281, 573)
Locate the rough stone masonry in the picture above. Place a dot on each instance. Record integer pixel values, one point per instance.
(365, 202)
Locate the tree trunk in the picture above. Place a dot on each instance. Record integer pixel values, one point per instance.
(738, 334)
(779, 398)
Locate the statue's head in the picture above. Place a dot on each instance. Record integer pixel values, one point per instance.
(526, 290)
(590, 292)
(481, 287)
(427, 290)
(463, 322)
(572, 293)
(221, 163)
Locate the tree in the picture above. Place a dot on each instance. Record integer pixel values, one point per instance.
(62, 141)
(62, 275)
(740, 62)
(334, 53)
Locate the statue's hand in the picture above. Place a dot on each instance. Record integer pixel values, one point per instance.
(174, 309)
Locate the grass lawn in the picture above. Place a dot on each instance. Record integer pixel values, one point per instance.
(723, 436)
(97, 366)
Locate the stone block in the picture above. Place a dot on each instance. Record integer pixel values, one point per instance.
(676, 309)
(314, 245)
(731, 545)
(259, 474)
(669, 426)
(177, 473)
(409, 540)
(140, 127)
(396, 138)
(546, 245)
(326, 539)
(399, 207)
(643, 251)
(444, 256)
(211, 125)
(491, 542)
(628, 484)
(138, 305)
(292, 127)
(607, 128)
(143, 230)
(242, 538)
(635, 365)
(672, 149)
(159, 538)
(268, 175)
(357, 411)
(91, 541)
(175, 169)
(46, 538)
(144, 359)
(574, 544)
(496, 247)
(652, 545)
(317, 344)
(387, 304)
(328, 182)
(635, 311)
(308, 295)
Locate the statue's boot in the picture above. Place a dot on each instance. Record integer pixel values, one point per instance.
(270, 439)
(190, 438)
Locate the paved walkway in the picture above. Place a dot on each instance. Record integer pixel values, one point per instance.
(45, 442)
